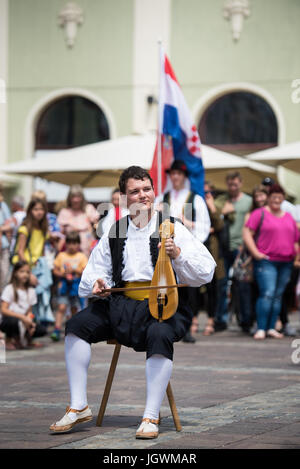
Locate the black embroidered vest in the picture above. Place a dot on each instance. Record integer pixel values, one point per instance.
(117, 238)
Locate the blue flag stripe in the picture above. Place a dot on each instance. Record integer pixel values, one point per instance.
(194, 164)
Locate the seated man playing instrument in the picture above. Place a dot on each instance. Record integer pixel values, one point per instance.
(125, 257)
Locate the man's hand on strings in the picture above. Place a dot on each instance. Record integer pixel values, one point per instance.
(98, 288)
(172, 250)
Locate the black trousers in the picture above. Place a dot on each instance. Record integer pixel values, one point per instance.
(194, 299)
(10, 326)
(289, 297)
(131, 324)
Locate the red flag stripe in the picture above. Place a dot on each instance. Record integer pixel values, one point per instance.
(169, 70)
(166, 159)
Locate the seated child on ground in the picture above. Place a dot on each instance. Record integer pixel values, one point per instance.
(16, 307)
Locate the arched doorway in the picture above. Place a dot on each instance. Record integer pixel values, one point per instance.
(240, 122)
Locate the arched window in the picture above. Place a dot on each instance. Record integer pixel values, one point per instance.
(239, 122)
(70, 122)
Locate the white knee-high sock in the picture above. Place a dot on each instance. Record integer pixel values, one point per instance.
(158, 373)
(77, 355)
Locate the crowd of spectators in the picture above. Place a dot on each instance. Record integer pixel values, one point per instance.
(254, 239)
(255, 242)
(43, 255)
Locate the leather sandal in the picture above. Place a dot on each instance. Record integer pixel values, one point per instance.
(208, 330)
(67, 423)
(274, 334)
(148, 429)
(260, 334)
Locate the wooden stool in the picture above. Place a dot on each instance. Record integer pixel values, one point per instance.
(108, 385)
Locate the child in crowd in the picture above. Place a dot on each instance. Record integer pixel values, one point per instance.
(68, 266)
(31, 238)
(18, 299)
(30, 245)
(32, 234)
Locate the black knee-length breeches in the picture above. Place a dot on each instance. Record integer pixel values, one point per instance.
(131, 324)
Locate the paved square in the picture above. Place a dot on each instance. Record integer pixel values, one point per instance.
(230, 391)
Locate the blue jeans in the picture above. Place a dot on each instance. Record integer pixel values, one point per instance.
(221, 314)
(272, 278)
(222, 307)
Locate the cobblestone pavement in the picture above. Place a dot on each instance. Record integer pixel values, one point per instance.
(230, 391)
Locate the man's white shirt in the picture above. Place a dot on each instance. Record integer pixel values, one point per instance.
(194, 266)
(177, 202)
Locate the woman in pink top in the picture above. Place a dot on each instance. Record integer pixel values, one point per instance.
(271, 236)
(79, 216)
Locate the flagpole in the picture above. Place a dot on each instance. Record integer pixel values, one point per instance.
(159, 136)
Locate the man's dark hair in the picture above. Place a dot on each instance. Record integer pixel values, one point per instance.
(233, 175)
(73, 237)
(135, 172)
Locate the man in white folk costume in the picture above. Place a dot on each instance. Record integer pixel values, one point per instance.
(125, 257)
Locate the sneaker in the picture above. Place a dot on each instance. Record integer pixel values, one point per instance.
(69, 420)
(246, 329)
(188, 338)
(55, 336)
(148, 429)
(220, 326)
(289, 331)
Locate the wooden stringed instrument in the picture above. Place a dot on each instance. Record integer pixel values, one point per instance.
(163, 298)
(163, 290)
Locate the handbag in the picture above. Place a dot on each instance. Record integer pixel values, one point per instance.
(243, 264)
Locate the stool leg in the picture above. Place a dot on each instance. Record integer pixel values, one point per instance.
(108, 384)
(173, 408)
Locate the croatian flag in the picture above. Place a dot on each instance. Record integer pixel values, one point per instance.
(178, 133)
